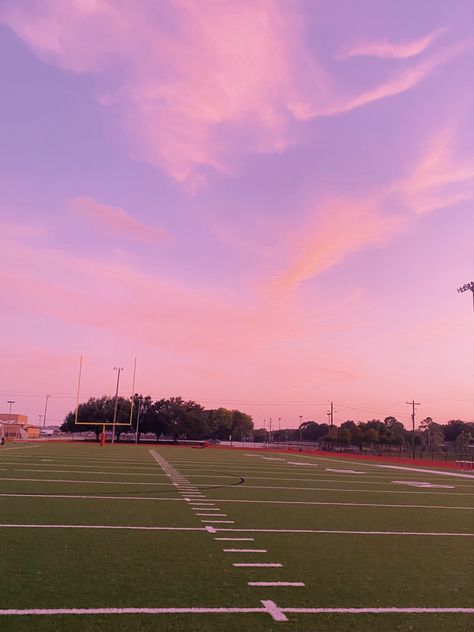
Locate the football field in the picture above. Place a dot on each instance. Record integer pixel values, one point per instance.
(164, 538)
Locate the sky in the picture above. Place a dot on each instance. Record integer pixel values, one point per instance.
(267, 203)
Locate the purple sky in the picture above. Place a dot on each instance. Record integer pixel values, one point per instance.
(267, 203)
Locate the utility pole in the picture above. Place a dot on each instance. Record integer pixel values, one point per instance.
(45, 410)
(114, 421)
(330, 415)
(413, 405)
(301, 430)
(270, 436)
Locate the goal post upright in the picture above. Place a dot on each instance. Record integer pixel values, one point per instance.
(103, 423)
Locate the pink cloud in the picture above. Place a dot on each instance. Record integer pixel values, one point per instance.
(438, 180)
(333, 231)
(116, 219)
(197, 85)
(226, 66)
(401, 81)
(339, 227)
(390, 50)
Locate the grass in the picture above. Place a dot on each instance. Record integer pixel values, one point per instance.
(96, 568)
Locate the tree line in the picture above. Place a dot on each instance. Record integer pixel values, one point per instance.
(430, 435)
(173, 417)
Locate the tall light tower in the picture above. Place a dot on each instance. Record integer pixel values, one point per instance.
(466, 287)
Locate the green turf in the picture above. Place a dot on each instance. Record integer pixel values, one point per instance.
(74, 568)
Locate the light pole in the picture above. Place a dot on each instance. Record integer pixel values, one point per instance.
(270, 435)
(466, 287)
(114, 421)
(301, 430)
(45, 409)
(413, 405)
(10, 402)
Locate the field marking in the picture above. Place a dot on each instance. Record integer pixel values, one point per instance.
(336, 504)
(218, 521)
(258, 564)
(342, 471)
(84, 481)
(404, 468)
(360, 491)
(245, 550)
(236, 539)
(211, 515)
(423, 484)
(380, 610)
(88, 497)
(293, 584)
(348, 532)
(23, 447)
(69, 471)
(302, 463)
(276, 612)
(97, 526)
(212, 529)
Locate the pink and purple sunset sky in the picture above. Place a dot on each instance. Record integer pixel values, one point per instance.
(267, 203)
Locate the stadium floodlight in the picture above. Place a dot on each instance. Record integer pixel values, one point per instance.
(466, 287)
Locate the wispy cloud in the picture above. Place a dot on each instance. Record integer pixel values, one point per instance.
(198, 82)
(197, 85)
(117, 220)
(399, 82)
(391, 50)
(332, 231)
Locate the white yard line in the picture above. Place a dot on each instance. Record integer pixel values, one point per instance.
(336, 504)
(84, 481)
(257, 564)
(235, 530)
(98, 526)
(293, 584)
(69, 471)
(245, 550)
(235, 539)
(276, 612)
(23, 447)
(348, 532)
(89, 497)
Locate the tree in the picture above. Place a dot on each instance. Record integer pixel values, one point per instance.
(432, 432)
(455, 427)
(98, 411)
(312, 431)
(461, 443)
